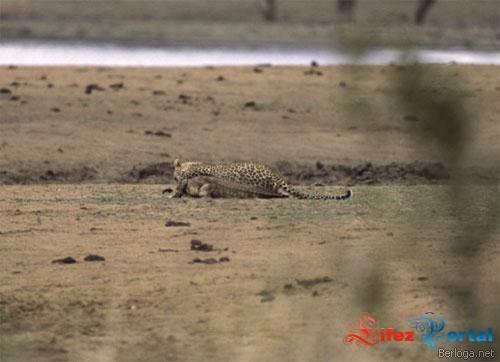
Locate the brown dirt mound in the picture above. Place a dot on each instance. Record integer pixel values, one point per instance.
(366, 173)
(296, 173)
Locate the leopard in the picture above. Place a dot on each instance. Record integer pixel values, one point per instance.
(237, 179)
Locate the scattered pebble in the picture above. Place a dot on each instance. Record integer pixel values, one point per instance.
(55, 109)
(67, 260)
(310, 282)
(168, 250)
(184, 98)
(250, 104)
(288, 286)
(93, 87)
(158, 133)
(342, 84)
(172, 223)
(266, 295)
(268, 298)
(313, 71)
(158, 93)
(198, 245)
(5, 91)
(116, 86)
(94, 257)
(204, 261)
(220, 78)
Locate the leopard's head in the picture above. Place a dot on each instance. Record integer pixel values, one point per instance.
(182, 168)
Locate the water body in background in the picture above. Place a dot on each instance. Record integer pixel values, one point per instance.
(67, 53)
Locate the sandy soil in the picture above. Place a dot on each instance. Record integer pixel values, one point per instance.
(132, 123)
(283, 278)
(149, 301)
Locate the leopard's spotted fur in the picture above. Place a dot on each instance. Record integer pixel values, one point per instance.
(254, 178)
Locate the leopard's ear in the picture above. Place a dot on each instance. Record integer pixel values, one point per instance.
(177, 163)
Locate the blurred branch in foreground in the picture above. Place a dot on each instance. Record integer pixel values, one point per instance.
(447, 123)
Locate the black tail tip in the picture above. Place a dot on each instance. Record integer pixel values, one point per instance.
(349, 194)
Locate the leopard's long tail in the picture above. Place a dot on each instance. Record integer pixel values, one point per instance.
(305, 196)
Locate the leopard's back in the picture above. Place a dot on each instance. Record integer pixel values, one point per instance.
(252, 174)
(253, 177)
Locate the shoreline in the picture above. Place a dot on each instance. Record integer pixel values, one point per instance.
(228, 44)
(32, 53)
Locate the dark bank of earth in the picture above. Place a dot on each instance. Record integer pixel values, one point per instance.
(300, 174)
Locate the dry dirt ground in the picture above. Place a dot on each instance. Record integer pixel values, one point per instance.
(297, 273)
(283, 279)
(122, 124)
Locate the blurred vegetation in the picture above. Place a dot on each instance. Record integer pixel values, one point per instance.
(444, 121)
(385, 22)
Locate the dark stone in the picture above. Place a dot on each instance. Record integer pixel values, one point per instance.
(158, 133)
(93, 87)
(116, 86)
(205, 261)
(310, 282)
(94, 257)
(67, 260)
(172, 223)
(201, 246)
